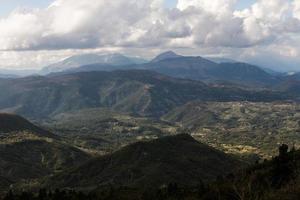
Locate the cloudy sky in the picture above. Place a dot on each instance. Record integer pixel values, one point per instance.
(35, 33)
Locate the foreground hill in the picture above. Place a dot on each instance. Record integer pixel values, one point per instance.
(178, 159)
(28, 152)
(137, 91)
(14, 123)
(276, 179)
(241, 127)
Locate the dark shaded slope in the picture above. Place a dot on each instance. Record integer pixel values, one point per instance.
(291, 86)
(195, 68)
(178, 159)
(245, 74)
(35, 158)
(28, 152)
(15, 123)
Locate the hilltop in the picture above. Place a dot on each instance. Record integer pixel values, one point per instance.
(28, 152)
(177, 158)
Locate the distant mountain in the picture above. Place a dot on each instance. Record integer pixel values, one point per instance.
(28, 152)
(294, 76)
(211, 70)
(8, 76)
(98, 67)
(198, 68)
(136, 91)
(221, 60)
(179, 159)
(14, 73)
(87, 59)
(165, 56)
(291, 85)
(244, 73)
(272, 72)
(194, 68)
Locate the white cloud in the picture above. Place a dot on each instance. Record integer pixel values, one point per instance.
(296, 11)
(147, 25)
(217, 7)
(78, 24)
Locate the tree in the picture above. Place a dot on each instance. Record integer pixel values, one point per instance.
(9, 196)
(283, 150)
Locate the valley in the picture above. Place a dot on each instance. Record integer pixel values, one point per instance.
(150, 100)
(241, 127)
(144, 126)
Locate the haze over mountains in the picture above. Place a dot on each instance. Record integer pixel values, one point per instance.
(87, 59)
(210, 70)
(150, 100)
(113, 121)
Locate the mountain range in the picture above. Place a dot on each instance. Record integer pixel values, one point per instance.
(194, 68)
(139, 92)
(209, 70)
(173, 125)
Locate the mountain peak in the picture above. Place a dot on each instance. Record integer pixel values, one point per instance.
(166, 55)
(76, 61)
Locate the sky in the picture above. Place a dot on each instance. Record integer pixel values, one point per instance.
(8, 6)
(36, 33)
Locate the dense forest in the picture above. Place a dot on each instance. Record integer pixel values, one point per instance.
(266, 180)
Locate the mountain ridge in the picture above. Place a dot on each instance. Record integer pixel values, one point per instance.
(141, 92)
(197, 68)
